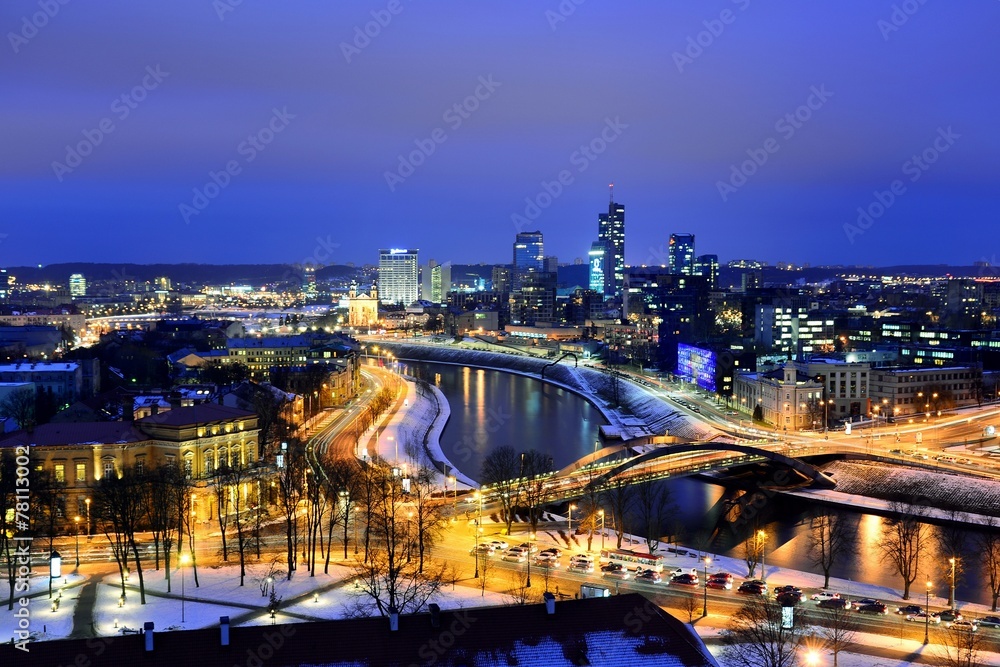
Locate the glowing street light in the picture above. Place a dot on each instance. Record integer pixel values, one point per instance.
(185, 560)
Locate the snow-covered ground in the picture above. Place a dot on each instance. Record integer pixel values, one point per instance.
(43, 622)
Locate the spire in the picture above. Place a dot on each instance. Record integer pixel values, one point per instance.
(612, 188)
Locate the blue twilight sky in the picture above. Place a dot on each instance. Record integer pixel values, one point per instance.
(311, 119)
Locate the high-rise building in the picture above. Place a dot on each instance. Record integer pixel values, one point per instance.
(77, 285)
(500, 277)
(398, 276)
(708, 266)
(309, 279)
(551, 264)
(534, 304)
(611, 230)
(599, 277)
(529, 257)
(681, 254)
(440, 282)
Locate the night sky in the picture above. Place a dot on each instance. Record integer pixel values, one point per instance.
(311, 120)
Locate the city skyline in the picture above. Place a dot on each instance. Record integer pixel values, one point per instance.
(294, 125)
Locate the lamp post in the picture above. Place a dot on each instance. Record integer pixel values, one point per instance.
(55, 569)
(409, 550)
(951, 597)
(927, 614)
(479, 497)
(601, 514)
(185, 559)
(87, 501)
(704, 608)
(570, 528)
(762, 537)
(76, 520)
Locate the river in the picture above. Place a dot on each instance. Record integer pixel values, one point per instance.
(491, 408)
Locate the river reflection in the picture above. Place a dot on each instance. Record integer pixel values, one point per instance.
(491, 408)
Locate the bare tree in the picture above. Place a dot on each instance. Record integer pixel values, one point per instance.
(500, 471)
(289, 478)
(620, 496)
(486, 567)
(161, 512)
(961, 647)
(652, 499)
(518, 591)
(753, 550)
(8, 516)
(427, 514)
(221, 487)
(690, 605)
(840, 626)
(904, 540)
(120, 509)
(757, 637)
(590, 509)
(19, 405)
(831, 537)
(535, 469)
(988, 544)
(952, 540)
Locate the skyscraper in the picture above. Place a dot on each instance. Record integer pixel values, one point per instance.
(529, 257)
(708, 266)
(398, 276)
(611, 230)
(599, 276)
(77, 285)
(681, 254)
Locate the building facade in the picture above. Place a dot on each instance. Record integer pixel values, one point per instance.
(398, 275)
(680, 254)
(611, 230)
(529, 257)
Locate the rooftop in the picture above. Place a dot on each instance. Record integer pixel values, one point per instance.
(194, 415)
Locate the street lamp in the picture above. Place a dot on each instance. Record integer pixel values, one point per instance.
(479, 497)
(570, 528)
(76, 520)
(601, 514)
(409, 550)
(87, 501)
(762, 537)
(704, 608)
(951, 598)
(927, 614)
(185, 560)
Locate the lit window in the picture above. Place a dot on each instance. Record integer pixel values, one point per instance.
(60, 472)
(81, 473)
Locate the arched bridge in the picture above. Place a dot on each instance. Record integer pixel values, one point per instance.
(755, 453)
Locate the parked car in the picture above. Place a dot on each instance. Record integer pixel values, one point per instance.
(909, 609)
(528, 547)
(835, 603)
(721, 575)
(555, 551)
(824, 595)
(989, 622)
(649, 576)
(950, 615)
(483, 549)
(685, 579)
(721, 584)
(514, 557)
(499, 545)
(877, 609)
(921, 616)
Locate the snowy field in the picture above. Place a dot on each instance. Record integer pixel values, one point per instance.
(44, 623)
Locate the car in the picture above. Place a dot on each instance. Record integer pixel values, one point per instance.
(922, 617)
(961, 624)
(909, 609)
(721, 575)
(788, 598)
(750, 588)
(824, 595)
(528, 547)
(695, 408)
(685, 579)
(555, 551)
(615, 571)
(877, 609)
(514, 557)
(581, 558)
(835, 603)
(682, 570)
(580, 566)
(649, 576)
(499, 545)
(483, 549)
(721, 584)
(519, 549)
(950, 615)
(963, 461)
(546, 560)
(732, 413)
(787, 589)
(864, 601)
(989, 622)
(896, 451)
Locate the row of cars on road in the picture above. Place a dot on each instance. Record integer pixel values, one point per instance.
(687, 404)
